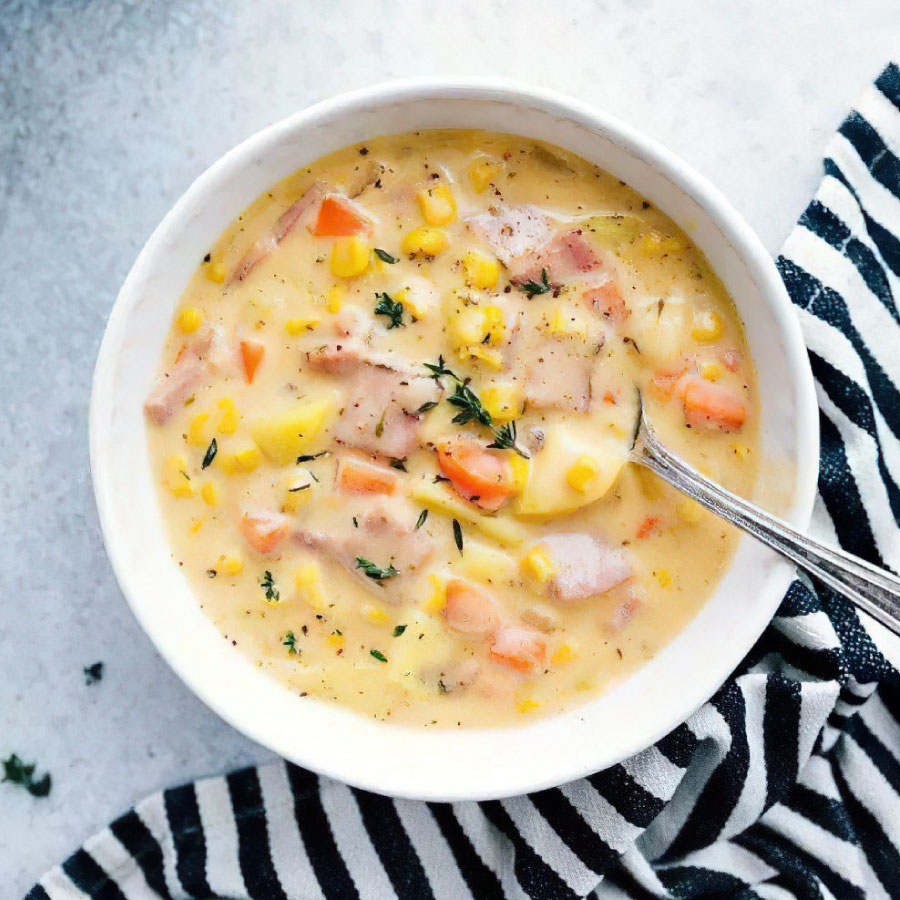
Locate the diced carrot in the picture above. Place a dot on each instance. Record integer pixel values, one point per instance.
(647, 527)
(608, 301)
(251, 355)
(713, 406)
(482, 476)
(357, 477)
(521, 648)
(264, 531)
(339, 217)
(668, 382)
(470, 611)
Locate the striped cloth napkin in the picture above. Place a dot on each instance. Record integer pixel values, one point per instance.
(786, 784)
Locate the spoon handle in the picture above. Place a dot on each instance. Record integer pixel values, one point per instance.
(872, 589)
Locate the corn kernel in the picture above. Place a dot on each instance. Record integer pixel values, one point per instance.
(335, 297)
(228, 421)
(231, 563)
(711, 370)
(707, 326)
(176, 478)
(566, 322)
(298, 490)
(663, 577)
(335, 639)
(308, 581)
(374, 614)
(300, 325)
(211, 494)
(688, 510)
(562, 656)
(503, 401)
(526, 705)
(216, 272)
(190, 319)
(469, 325)
(350, 256)
(436, 600)
(437, 204)
(480, 353)
(520, 470)
(246, 459)
(198, 431)
(481, 271)
(742, 451)
(538, 565)
(424, 241)
(582, 473)
(482, 172)
(419, 303)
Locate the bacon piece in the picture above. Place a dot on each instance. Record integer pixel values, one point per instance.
(606, 299)
(278, 232)
(564, 257)
(585, 566)
(382, 416)
(385, 536)
(512, 232)
(209, 352)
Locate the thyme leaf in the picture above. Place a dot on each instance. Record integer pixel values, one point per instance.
(384, 256)
(210, 454)
(533, 288)
(17, 772)
(421, 520)
(267, 583)
(388, 306)
(374, 572)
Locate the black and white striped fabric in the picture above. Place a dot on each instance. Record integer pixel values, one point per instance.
(785, 785)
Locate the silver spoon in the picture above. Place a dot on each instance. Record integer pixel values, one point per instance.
(872, 589)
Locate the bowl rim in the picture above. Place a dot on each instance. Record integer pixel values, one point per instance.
(733, 227)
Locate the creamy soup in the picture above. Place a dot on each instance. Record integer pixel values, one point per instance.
(392, 421)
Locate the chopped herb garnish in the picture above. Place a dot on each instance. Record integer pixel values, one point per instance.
(290, 642)
(268, 585)
(398, 630)
(388, 306)
(355, 522)
(469, 405)
(505, 439)
(210, 455)
(379, 427)
(309, 457)
(438, 370)
(17, 772)
(457, 536)
(207, 258)
(421, 520)
(384, 256)
(93, 673)
(374, 572)
(431, 404)
(302, 487)
(438, 478)
(211, 573)
(533, 288)
(378, 655)
(395, 463)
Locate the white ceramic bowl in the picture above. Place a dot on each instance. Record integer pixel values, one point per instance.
(390, 759)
